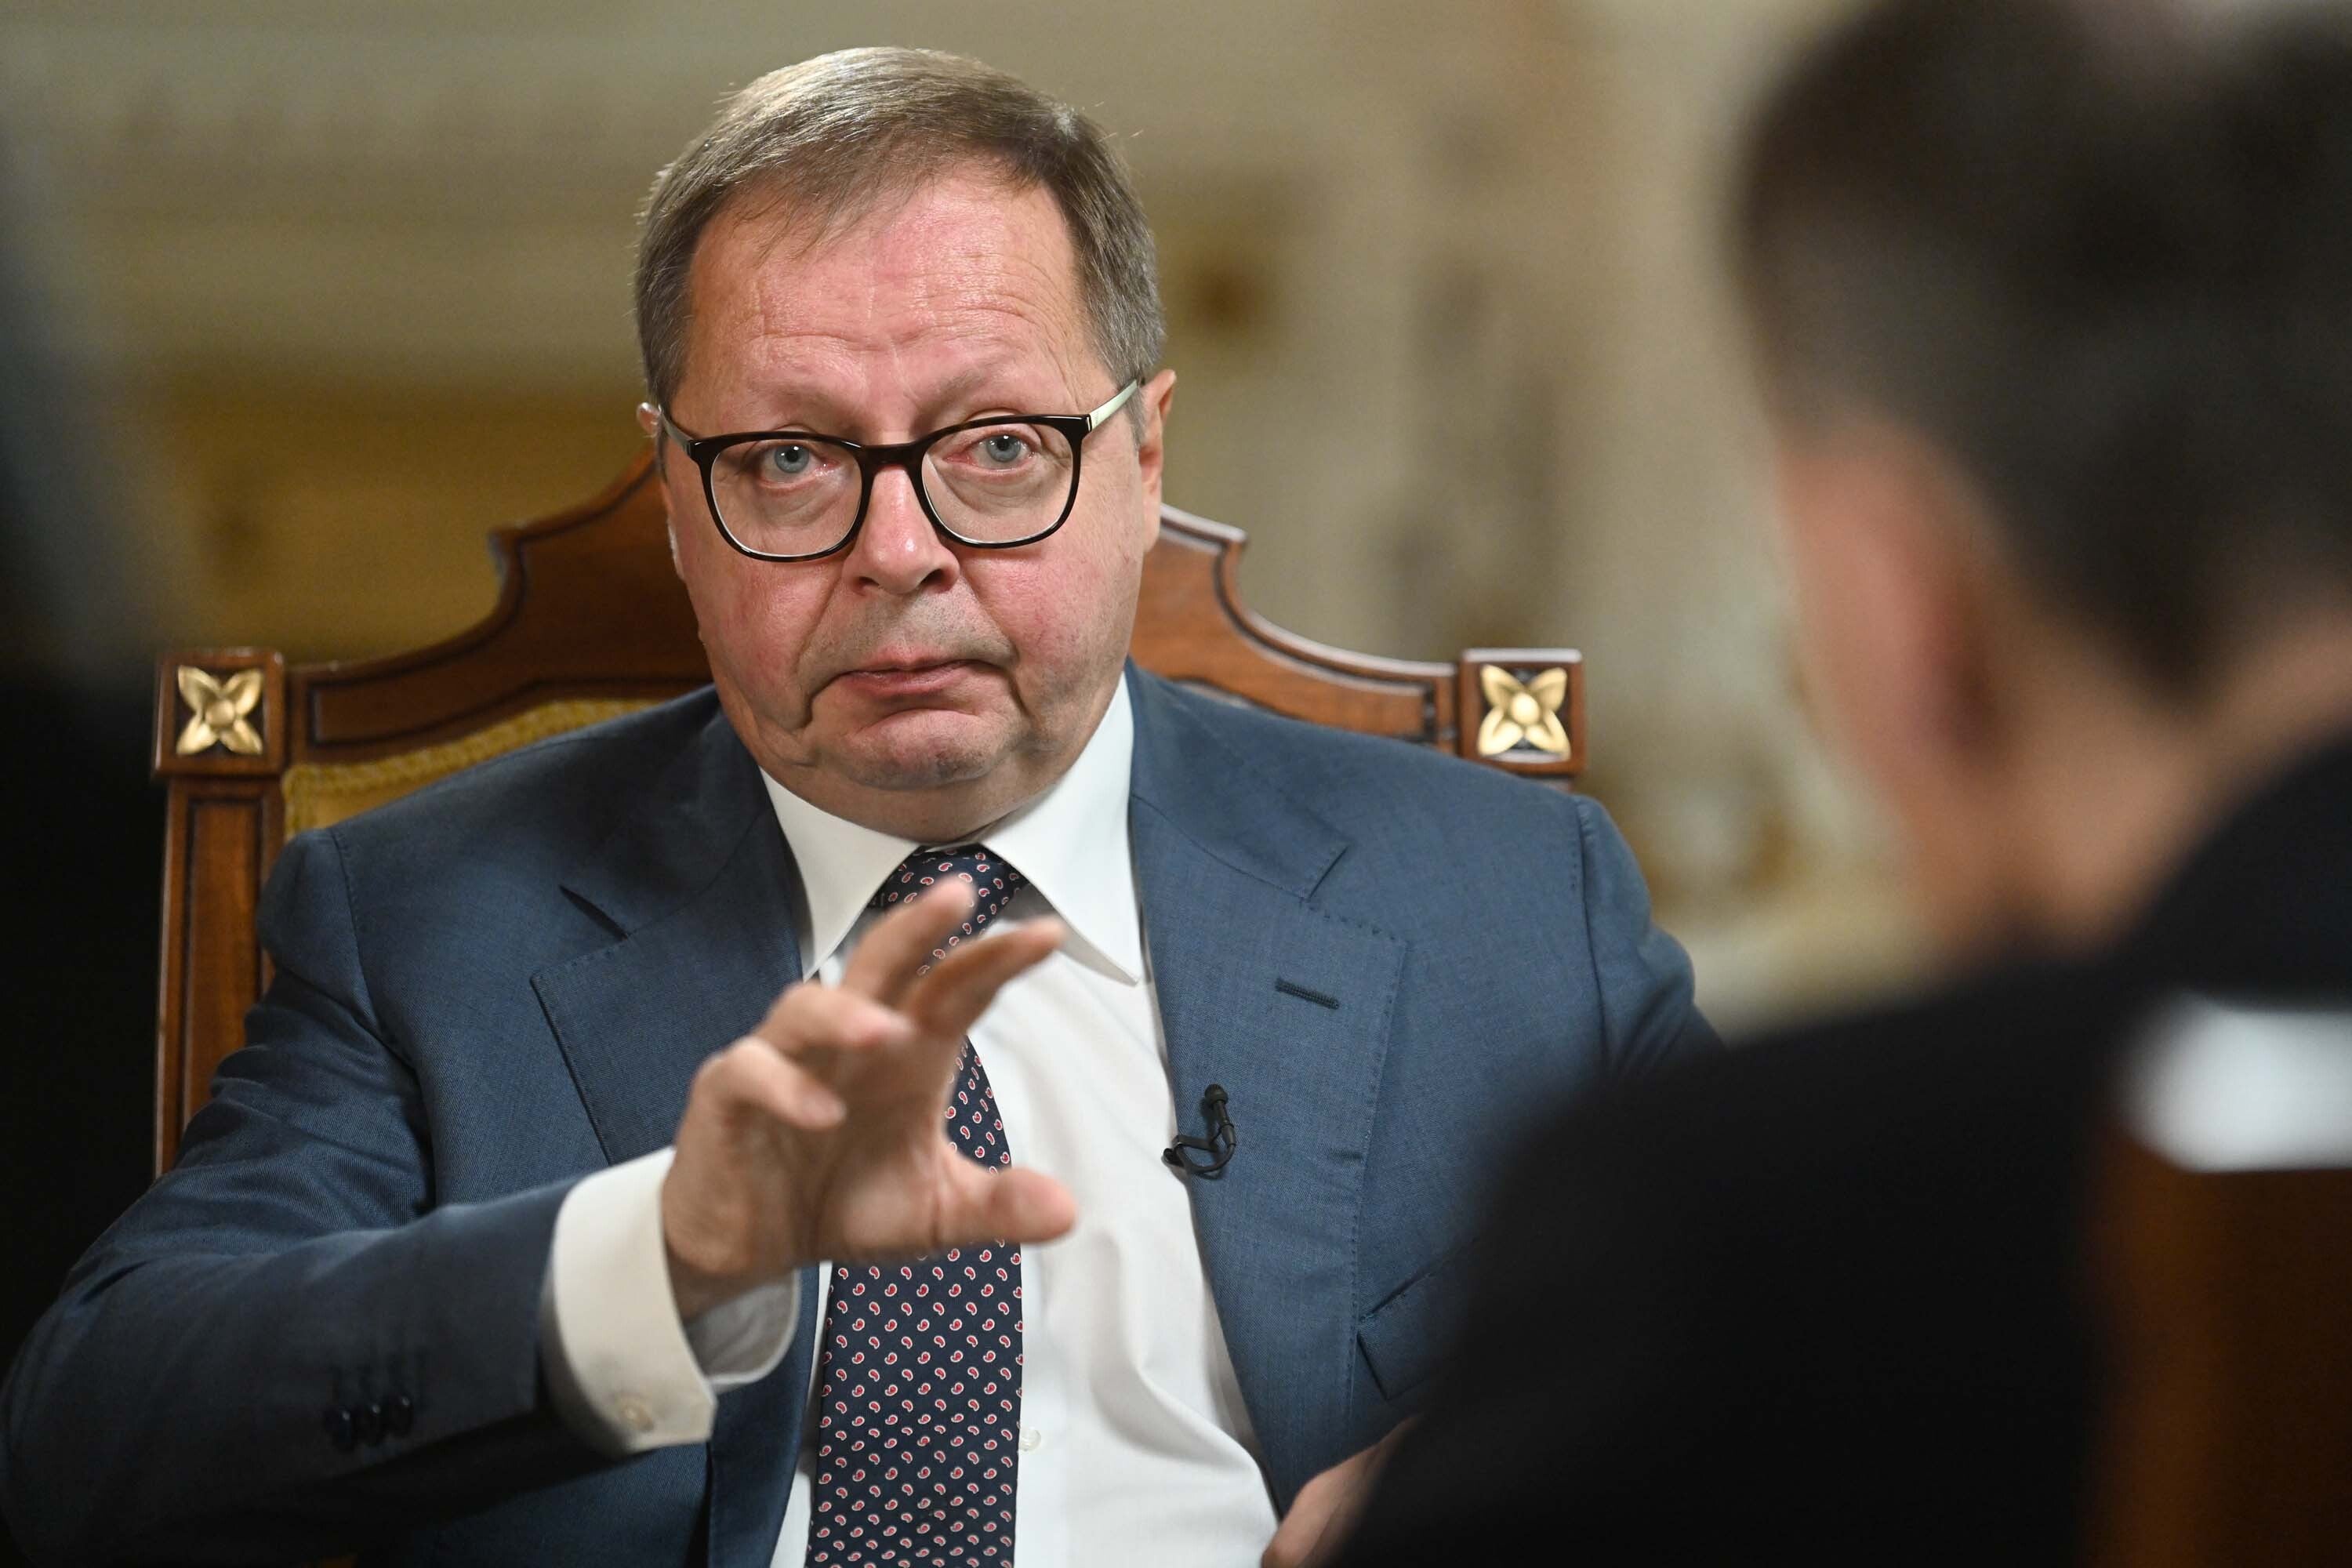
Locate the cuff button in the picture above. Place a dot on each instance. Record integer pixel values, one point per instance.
(343, 1428)
(399, 1415)
(635, 1413)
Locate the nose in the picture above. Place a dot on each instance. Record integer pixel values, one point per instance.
(897, 549)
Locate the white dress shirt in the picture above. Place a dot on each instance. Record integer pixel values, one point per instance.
(1134, 1443)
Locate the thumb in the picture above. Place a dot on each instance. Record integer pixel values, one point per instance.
(1014, 1204)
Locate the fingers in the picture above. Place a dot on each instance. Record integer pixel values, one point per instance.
(888, 956)
(1015, 1205)
(887, 972)
(1316, 1520)
(749, 1075)
(810, 1020)
(949, 1000)
(1326, 1508)
(816, 1018)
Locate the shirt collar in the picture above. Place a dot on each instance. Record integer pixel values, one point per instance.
(1070, 843)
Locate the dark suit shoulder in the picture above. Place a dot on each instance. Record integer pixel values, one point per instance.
(1976, 1103)
(1792, 1251)
(1374, 786)
(1339, 761)
(465, 875)
(560, 794)
(2002, 1044)
(1483, 874)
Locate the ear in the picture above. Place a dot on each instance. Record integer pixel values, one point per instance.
(1889, 586)
(649, 421)
(1155, 398)
(1897, 613)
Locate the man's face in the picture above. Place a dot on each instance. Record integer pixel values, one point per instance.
(909, 683)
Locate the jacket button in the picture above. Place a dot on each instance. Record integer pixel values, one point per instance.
(370, 1424)
(399, 1415)
(343, 1429)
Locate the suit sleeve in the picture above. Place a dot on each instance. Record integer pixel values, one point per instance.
(1643, 976)
(285, 1346)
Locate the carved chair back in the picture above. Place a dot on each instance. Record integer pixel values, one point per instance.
(592, 622)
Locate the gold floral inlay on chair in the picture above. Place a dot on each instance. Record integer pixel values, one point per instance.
(1523, 713)
(219, 711)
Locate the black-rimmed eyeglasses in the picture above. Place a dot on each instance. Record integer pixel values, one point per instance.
(993, 484)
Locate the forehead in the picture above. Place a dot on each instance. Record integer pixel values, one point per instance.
(960, 273)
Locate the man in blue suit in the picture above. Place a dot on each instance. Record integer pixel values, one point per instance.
(492, 1248)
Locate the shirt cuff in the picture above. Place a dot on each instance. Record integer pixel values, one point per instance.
(622, 1370)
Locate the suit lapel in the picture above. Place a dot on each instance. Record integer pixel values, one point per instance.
(698, 887)
(1288, 1008)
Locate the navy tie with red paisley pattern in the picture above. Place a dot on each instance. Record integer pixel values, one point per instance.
(919, 1404)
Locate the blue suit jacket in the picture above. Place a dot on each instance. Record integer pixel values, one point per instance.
(506, 982)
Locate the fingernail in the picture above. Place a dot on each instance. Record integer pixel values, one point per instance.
(822, 1107)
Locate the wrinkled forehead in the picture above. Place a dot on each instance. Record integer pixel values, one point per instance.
(966, 263)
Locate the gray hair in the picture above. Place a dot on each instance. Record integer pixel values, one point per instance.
(827, 138)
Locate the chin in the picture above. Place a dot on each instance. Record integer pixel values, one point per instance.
(925, 751)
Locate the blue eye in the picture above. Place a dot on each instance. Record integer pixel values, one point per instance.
(1003, 449)
(790, 459)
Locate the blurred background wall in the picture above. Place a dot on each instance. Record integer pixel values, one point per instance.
(347, 285)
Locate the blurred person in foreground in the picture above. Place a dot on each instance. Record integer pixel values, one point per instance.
(2051, 303)
(80, 825)
(492, 1248)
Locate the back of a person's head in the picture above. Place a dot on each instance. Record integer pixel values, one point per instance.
(2100, 253)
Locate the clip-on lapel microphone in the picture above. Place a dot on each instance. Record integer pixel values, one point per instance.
(1205, 1156)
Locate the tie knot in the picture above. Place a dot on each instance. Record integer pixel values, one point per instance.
(993, 883)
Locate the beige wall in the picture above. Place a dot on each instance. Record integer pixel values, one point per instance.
(1442, 283)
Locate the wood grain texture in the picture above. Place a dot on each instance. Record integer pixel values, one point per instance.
(219, 843)
(1191, 625)
(588, 607)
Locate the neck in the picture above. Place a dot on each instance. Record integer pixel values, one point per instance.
(2127, 787)
(954, 812)
(940, 815)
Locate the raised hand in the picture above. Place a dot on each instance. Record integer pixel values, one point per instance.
(821, 1135)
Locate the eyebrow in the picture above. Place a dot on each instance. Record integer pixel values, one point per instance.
(835, 418)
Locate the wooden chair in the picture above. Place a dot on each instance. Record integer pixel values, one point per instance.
(591, 623)
(2223, 1275)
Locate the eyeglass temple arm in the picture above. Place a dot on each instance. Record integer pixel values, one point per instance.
(1094, 420)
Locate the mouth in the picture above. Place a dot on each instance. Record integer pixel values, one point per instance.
(901, 679)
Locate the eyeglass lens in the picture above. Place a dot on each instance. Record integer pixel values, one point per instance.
(799, 495)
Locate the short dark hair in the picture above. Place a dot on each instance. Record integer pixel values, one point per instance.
(827, 138)
(2100, 252)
